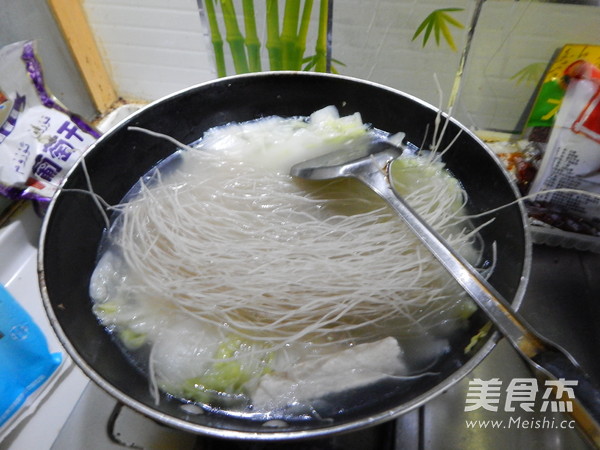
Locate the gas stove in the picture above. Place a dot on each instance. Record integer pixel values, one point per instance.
(562, 301)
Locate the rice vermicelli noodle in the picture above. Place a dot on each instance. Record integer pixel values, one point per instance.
(237, 284)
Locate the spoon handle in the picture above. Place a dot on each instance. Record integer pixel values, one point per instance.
(554, 363)
(547, 359)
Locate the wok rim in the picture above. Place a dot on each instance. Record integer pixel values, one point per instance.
(272, 434)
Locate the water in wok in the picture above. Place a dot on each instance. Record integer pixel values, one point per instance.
(73, 230)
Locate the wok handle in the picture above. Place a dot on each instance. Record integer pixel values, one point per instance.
(546, 358)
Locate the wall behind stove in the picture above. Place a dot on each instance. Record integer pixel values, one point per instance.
(151, 47)
(154, 47)
(32, 20)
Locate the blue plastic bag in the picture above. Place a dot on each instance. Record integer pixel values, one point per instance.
(25, 361)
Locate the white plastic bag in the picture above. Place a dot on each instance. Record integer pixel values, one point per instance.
(572, 156)
(39, 138)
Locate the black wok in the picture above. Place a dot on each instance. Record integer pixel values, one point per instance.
(73, 228)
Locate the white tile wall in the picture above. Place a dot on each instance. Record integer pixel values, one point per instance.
(152, 47)
(373, 39)
(155, 47)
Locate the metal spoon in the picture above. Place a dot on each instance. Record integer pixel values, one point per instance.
(370, 163)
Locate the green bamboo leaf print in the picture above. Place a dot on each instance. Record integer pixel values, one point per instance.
(439, 22)
(530, 74)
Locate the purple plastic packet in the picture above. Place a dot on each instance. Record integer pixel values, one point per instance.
(40, 140)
